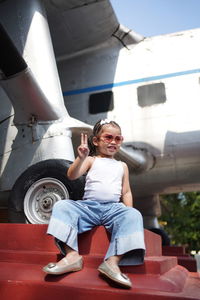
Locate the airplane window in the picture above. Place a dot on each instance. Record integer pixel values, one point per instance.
(150, 94)
(101, 102)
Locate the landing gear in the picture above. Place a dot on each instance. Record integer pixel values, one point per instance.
(38, 188)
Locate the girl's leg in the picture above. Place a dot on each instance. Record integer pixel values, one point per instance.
(127, 235)
(68, 219)
(126, 227)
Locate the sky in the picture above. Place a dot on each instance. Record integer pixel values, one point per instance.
(155, 17)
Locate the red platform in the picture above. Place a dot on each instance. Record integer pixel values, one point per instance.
(25, 249)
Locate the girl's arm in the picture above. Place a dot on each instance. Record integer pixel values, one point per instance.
(79, 167)
(83, 162)
(126, 190)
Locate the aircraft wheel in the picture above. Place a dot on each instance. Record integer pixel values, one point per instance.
(38, 188)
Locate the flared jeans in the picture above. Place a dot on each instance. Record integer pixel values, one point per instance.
(125, 224)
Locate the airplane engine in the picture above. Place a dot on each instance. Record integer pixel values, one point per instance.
(37, 153)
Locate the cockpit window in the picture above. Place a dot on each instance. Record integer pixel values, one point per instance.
(151, 94)
(101, 102)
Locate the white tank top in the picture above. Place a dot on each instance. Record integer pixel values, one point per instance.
(104, 180)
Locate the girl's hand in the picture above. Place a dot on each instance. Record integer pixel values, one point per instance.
(83, 150)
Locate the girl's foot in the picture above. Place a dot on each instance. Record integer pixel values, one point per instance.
(117, 277)
(65, 265)
(113, 266)
(71, 259)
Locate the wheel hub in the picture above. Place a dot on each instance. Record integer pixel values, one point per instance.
(47, 200)
(40, 198)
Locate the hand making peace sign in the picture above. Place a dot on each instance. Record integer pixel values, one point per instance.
(83, 150)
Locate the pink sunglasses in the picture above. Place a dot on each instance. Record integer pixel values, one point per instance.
(108, 138)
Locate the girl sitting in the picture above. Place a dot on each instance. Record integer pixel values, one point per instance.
(107, 201)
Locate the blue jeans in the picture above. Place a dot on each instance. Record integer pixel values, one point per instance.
(69, 218)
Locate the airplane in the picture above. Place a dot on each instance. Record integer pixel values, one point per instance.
(66, 64)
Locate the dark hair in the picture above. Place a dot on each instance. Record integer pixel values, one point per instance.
(96, 130)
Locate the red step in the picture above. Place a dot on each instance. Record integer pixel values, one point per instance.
(184, 259)
(25, 249)
(174, 250)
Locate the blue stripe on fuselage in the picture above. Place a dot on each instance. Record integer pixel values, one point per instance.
(122, 83)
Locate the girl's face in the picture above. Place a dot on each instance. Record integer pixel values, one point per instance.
(108, 141)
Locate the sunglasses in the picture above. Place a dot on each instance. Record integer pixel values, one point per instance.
(108, 138)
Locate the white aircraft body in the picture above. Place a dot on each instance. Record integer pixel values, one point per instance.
(67, 64)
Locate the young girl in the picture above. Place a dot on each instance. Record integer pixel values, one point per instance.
(107, 201)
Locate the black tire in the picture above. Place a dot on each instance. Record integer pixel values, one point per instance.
(38, 188)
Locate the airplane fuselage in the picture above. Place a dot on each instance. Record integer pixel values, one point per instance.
(155, 98)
